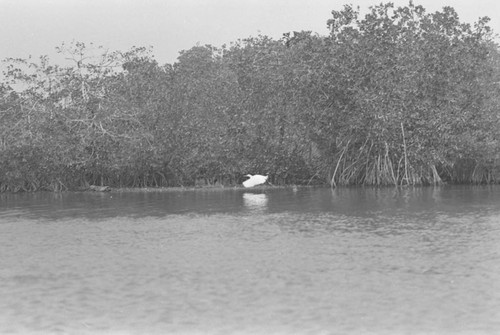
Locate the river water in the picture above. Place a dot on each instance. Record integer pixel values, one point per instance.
(265, 261)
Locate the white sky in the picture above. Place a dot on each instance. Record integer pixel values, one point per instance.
(36, 27)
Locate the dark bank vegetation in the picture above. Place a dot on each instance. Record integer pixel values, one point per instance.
(397, 97)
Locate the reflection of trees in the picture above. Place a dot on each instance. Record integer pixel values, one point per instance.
(421, 213)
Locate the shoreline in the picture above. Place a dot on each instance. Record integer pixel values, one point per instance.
(175, 189)
(204, 188)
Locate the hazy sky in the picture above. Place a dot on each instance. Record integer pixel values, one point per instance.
(36, 27)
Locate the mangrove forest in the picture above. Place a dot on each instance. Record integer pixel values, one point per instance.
(396, 96)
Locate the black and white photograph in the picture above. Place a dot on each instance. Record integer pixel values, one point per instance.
(250, 167)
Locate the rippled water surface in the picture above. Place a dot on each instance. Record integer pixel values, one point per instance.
(268, 261)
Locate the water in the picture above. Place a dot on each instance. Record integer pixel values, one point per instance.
(265, 261)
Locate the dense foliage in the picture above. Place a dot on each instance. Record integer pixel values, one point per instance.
(399, 96)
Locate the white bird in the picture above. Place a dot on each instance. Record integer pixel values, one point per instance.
(254, 180)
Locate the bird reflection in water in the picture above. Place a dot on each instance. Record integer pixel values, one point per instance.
(255, 201)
